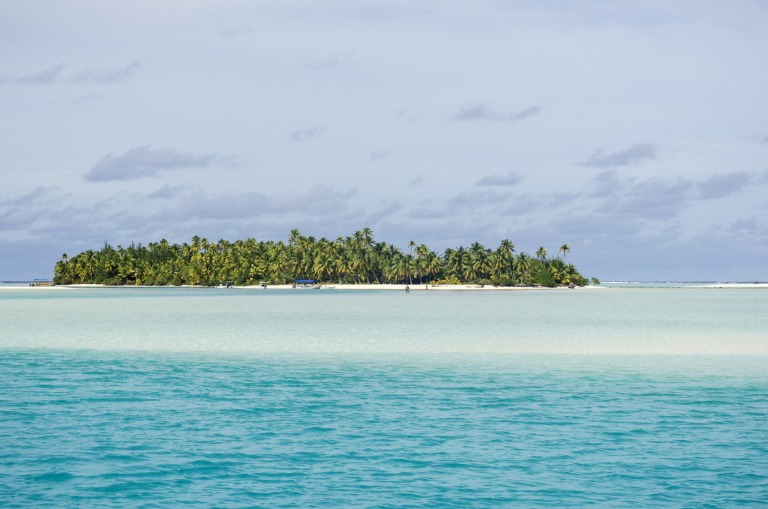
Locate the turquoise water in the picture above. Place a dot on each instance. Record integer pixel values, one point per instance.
(245, 398)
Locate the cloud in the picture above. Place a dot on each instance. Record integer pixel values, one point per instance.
(759, 138)
(626, 157)
(417, 181)
(301, 135)
(426, 210)
(40, 194)
(476, 200)
(654, 199)
(509, 179)
(51, 75)
(718, 186)
(44, 77)
(107, 76)
(20, 212)
(166, 192)
(480, 111)
(606, 184)
(378, 155)
(145, 161)
(343, 62)
(317, 201)
(383, 213)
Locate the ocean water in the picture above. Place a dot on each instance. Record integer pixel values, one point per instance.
(177, 397)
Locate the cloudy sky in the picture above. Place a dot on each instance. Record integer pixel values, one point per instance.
(635, 132)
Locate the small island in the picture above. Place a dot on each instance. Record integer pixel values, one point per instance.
(356, 259)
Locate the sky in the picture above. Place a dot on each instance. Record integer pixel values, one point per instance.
(634, 132)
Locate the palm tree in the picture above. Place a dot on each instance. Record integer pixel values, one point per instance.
(565, 248)
(504, 258)
(523, 263)
(294, 236)
(541, 253)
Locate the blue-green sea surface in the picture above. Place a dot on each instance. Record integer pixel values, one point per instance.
(202, 398)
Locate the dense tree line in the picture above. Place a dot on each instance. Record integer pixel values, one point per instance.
(354, 259)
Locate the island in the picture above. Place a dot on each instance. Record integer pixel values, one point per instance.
(355, 259)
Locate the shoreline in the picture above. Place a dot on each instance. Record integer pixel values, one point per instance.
(379, 287)
(385, 287)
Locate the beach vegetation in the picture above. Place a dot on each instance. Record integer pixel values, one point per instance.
(355, 259)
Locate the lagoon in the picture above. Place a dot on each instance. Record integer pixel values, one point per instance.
(150, 397)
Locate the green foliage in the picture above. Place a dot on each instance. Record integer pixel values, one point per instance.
(448, 280)
(595, 281)
(504, 281)
(544, 277)
(354, 259)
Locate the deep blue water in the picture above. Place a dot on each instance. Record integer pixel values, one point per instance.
(107, 429)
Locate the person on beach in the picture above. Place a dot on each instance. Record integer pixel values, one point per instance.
(407, 288)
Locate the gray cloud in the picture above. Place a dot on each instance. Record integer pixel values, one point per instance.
(378, 155)
(476, 200)
(301, 135)
(427, 211)
(44, 77)
(480, 111)
(383, 213)
(145, 161)
(317, 201)
(509, 179)
(166, 192)
(51, 75)
(718, 186)
(107, 76)
(606, 184)
(343, 62)
(37, 195)
(20, 212)
(417, 181)
(522, 204)
(626, 157)
(654, 198)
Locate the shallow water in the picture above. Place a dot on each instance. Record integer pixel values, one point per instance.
(617, 321)
(206, 398)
